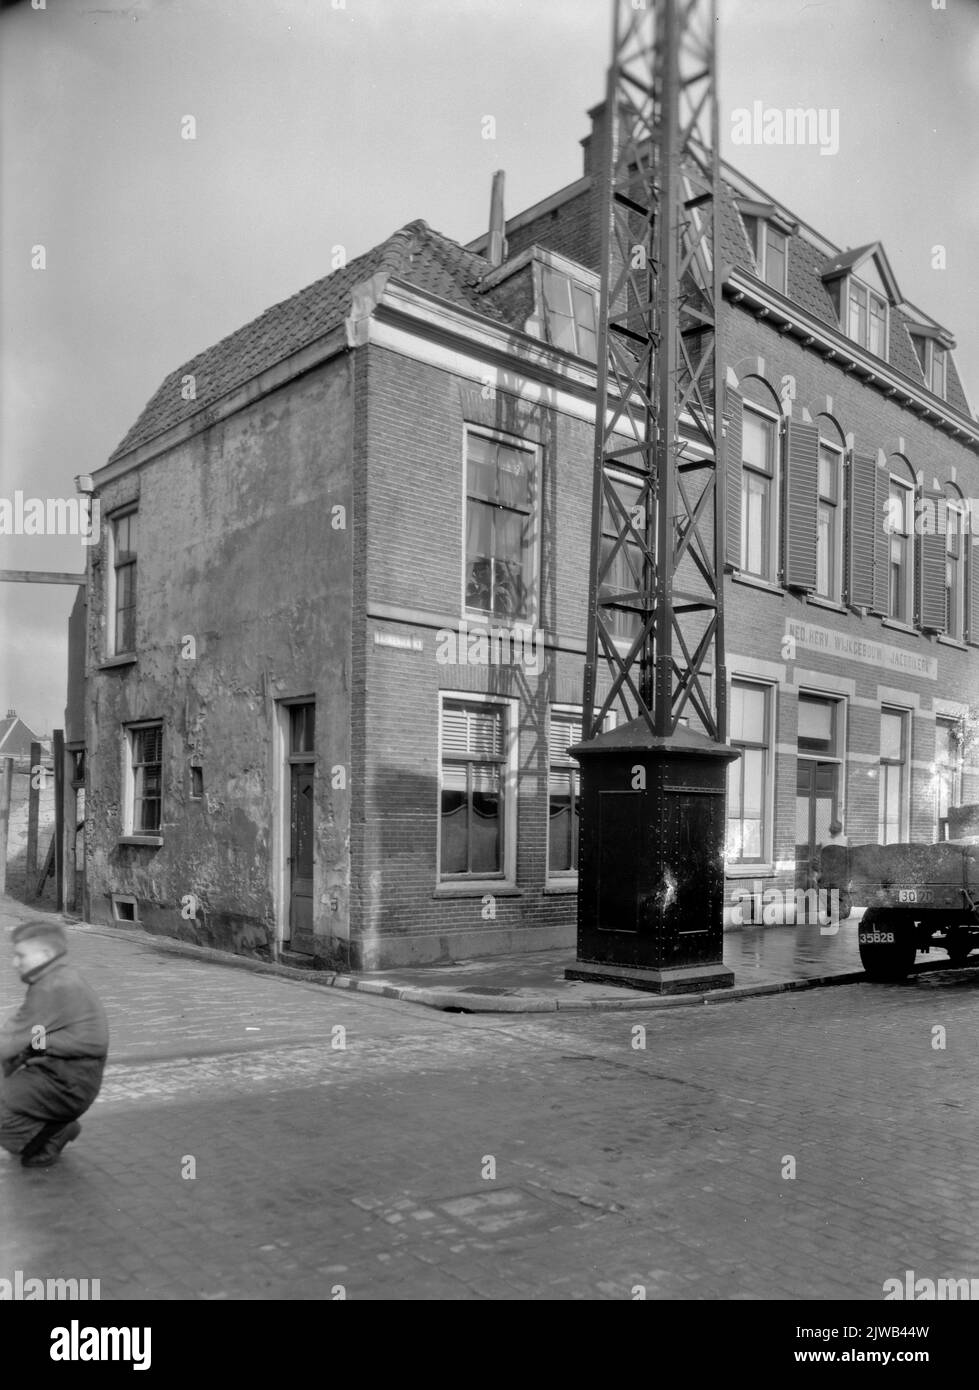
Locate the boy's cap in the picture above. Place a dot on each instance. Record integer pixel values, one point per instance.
(51, 933)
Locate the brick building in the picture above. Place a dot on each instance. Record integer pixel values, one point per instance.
(337, 614)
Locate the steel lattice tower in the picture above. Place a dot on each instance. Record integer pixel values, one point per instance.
(659, 368)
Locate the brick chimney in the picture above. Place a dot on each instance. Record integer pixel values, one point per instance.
(593, 144)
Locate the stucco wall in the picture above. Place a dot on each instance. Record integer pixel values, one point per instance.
(237, 550)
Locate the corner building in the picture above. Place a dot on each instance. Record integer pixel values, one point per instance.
(337, 614)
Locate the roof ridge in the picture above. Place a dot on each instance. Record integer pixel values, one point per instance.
(284, 328)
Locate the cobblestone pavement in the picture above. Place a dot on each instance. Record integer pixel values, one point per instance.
(422, 1155)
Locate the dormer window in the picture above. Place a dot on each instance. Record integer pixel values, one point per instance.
(771, 248)
(868, 317)
(570, 313)
(862, 288)
(768, 235)
(933, 357)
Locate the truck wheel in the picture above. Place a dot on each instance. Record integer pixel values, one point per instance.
(887, 948)
(958, 949)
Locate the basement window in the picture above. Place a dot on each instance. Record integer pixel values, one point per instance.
(124, 908)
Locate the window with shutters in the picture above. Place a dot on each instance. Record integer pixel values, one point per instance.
(955, 542)
(143, 779)
(122, 584)
(899, 526)
(970, 542)
(759, 524)
(501, 528)
(892, 818)
(749, 777)
(624, 575)
(475, 789)
(829, 523)
(570, 312)
(948, 771)
(564, 730)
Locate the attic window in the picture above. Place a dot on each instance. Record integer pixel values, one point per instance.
(933, 359)
(570, 313)
(770, 246)
(866, 317)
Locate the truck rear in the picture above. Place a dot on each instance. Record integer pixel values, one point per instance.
(915, 897)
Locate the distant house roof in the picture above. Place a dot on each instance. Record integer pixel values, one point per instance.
(415, 253)
(16, 737)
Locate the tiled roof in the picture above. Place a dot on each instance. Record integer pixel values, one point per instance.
(806, 288)
(846, 260)
(415, 254)
(16, 737)
(429, 261)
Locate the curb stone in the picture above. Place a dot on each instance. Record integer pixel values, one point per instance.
(472, 1002)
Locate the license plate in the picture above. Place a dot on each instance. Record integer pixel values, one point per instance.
(915, 895)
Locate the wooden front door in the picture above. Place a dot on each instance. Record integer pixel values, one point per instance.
(302, 785)
(816, 803)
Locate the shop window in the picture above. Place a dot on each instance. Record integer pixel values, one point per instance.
(748, 799)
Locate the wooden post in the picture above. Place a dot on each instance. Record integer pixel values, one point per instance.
(71, 821)
(58, 749)
(33, 801)
(6, 779)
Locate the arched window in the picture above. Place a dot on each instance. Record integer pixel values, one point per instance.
(899, 525)
(829, 513)
(956, 540)
(760, 480)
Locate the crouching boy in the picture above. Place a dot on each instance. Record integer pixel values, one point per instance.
(52, 1050)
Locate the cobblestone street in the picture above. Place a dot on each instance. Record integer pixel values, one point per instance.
(350, 1145)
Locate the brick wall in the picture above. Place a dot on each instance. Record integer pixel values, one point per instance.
(413, 542)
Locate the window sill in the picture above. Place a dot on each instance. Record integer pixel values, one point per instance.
(561, 886)
(752, 583)
(831, 603)
(155, 841)
(895, 626)
(126, 659)
(749, 871)
(481, 623)
(955, 642)
(491, 886)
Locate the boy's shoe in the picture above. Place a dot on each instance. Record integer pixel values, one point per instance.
(51, 1150)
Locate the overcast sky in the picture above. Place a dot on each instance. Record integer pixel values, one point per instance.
(318, 126)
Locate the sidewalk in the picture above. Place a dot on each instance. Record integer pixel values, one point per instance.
(765, 960)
